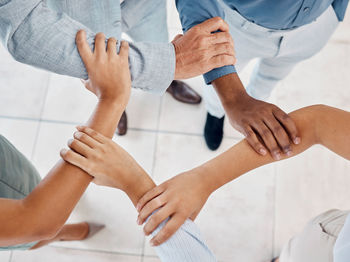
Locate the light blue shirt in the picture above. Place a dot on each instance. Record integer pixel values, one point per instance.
(342, 245)
(273, 14)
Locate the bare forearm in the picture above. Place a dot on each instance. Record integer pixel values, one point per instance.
(229, 88)
(317, 124)
(46, 209)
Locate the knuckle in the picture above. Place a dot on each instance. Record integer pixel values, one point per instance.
(277, 129)
(249, 134)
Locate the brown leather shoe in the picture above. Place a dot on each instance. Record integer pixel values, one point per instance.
(183, 93)
(122, 125)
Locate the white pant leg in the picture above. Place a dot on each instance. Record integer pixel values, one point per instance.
(295, 46)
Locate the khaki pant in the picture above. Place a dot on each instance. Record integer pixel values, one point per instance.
(316, 242)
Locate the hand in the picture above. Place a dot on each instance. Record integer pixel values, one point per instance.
(109, 75)
(179, 198)
(199, 51)
(265, 126)
(99, 156)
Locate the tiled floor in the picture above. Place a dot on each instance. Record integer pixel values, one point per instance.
(247, 220)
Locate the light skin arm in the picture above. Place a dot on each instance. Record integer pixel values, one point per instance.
(183, 196)
(266, 127)
(44, 211)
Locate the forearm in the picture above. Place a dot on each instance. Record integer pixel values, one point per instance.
(229, 89)
(45, 210)
(317, 124)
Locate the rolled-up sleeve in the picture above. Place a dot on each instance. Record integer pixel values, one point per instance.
(35, 34)
(193, 12)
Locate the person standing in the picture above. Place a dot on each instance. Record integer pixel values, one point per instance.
(280, 34)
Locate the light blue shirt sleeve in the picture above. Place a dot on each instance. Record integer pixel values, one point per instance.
(342, 245)
(186, 245)
(193, 12)
(37, 35)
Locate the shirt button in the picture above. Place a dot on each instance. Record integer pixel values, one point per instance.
(306, 9)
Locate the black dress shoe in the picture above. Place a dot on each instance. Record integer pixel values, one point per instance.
(122, 125)
(213, 131)
(183, 93)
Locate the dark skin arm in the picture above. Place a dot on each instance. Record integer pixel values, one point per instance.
(266, 127)
(44, 211)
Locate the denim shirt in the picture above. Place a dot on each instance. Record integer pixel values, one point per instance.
(276, 15)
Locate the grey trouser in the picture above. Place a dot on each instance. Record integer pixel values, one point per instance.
(316, 241)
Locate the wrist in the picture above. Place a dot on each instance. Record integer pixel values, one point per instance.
(230, 89)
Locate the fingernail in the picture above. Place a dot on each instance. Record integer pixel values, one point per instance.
(297, 140)
(262, 151)
(138, 221)
(289, 153)
(277, 156)
(151, 243)
(138, 207)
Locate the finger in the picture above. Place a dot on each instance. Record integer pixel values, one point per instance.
(79, 147)
(74, 158)
(173, 224)
(124, 50)
(214, 24)
(177, 37)
(221, 37)
(222, 49)
(221, 60)
(268, 138)
(150, 207)
(100, 44)
(157, 218)
(289, 125)
(83, 48)
(94, 134)
(254, 141)
(280, 135)
(112, 46)
(156, 191)
(86, 139)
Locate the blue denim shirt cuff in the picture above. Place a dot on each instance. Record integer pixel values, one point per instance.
(218, 72)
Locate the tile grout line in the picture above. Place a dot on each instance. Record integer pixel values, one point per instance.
(273, 240)
(10, 258)
(41, 113)
(130, 128)
(154, 161)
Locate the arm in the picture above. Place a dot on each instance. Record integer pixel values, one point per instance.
(37, 35)
(266, 127)
(43, 212)
(195, 12)
(112, 166)
(184, 195)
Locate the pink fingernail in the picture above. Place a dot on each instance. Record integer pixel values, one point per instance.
(262, 151)
(297, 140)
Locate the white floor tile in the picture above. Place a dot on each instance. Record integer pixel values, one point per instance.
(21, 133)
(237, 220)
(5, 256)
(322, 79)
(151, 259)
(67, 255)
(143, 110)
(23, 88)
(185, 118)
(192, 150)
(68, 100)
(112, 208)
(308, 185)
